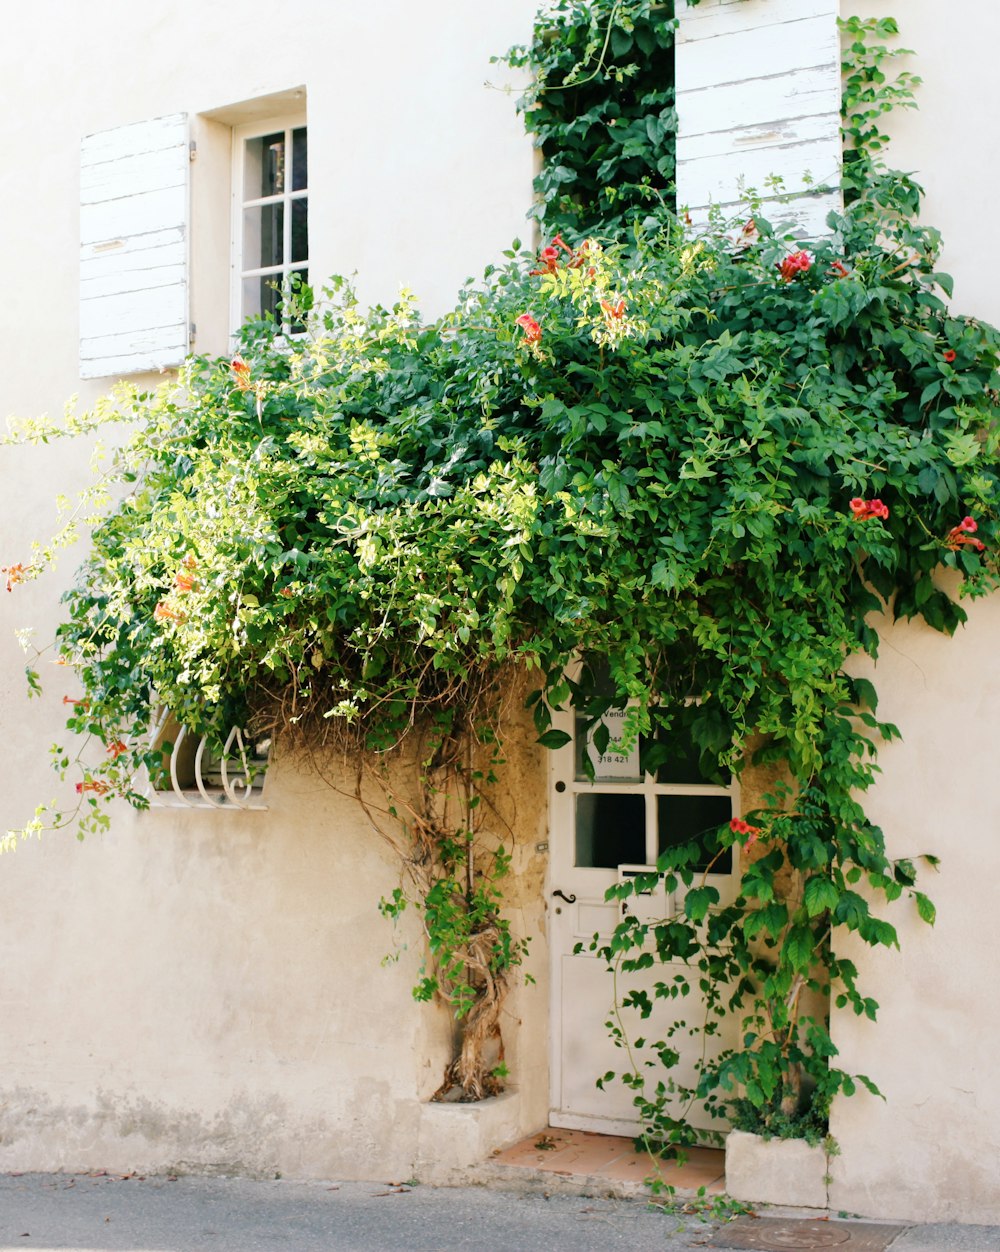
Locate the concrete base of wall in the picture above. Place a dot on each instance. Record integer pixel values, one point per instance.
(456, 1138)
(775, 1171)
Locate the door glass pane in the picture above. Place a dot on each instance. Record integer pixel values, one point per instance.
(300, 229)
(675, 759)
(681, 764)
(610, 830)
(300, 165)
(681, 819)
(264, 171)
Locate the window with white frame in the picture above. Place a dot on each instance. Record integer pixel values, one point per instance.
(270, 217)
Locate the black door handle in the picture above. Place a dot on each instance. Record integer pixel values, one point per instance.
(563, 896)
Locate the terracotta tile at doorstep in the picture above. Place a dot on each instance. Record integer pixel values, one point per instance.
(534, 1151)
(632, 1168)
(684, 1179)
(688, 1179)
(593, 1157)
(707, 1157)
(574, 1151)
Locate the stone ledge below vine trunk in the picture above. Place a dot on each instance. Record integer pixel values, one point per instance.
(775, 1171)
(455, 1139)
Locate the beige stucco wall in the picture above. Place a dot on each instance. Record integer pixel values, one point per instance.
(208, 991)
(930, 1151)
(200, 990)
(948, 143)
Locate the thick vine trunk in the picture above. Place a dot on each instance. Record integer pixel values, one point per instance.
(472, 1072)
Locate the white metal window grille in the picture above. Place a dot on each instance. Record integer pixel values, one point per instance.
(271, 216)
(196, 777)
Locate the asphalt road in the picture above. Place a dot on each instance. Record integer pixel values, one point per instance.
(102, 1213)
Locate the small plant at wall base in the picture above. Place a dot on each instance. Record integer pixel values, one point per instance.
(707, 458)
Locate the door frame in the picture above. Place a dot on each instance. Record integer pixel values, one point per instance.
(581, 909)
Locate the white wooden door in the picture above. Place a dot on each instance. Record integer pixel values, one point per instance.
(601, 831)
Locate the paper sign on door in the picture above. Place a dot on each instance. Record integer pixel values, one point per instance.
(610, 764)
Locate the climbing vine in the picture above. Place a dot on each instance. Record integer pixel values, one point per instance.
(707, 458)
(601, 111)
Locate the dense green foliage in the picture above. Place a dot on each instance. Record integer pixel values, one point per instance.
(601, 109)
(711, 458)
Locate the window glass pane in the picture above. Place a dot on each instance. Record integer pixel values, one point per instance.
(300, 164)
(610, 830)
(295, 326)
(263, 243)
(260, 295)
(264, 170)
(300, 229)
(681, 819)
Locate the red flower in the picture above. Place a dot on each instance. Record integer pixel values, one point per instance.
(184, 582)
(117, 749)
(532, 331)
(164, 613)
(864, 509)
(950, 355)
(839, 268)
(739, 827)
(748, 234)
(610, 310)
(92, 784)
(580, 256)
(795, 263)
(77, 704)
(241, 372)
(287, 592)
(959, 536)
(549, 256)
(15, 574)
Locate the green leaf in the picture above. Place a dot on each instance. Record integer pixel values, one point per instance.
(865, 693)
(798, 948)
(698, 901)
(925, 908)
(820, 894)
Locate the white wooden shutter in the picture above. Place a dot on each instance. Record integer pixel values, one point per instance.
(133, 248)
(758, 94)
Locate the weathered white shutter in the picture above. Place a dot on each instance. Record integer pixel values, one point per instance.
(758, 96)
(133, 248)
